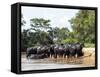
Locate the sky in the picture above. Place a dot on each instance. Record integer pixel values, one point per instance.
(59, 17)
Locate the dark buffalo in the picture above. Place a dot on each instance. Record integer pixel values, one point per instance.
(52, 53)
(66, 50)
(30, 51)
(38, 56)
(69, 50)
(38, 52)
(59, 50)
(43, 50)
(79, 48)
(72, 50)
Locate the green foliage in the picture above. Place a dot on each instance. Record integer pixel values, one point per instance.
(37, 34)
(24, 40)
(40, 23)
(61, 34)
(41, 32)
(87, 45)
(69, 40)
(83, 24)
(23, 22)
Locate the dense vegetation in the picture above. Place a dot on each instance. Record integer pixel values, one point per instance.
(41, 32)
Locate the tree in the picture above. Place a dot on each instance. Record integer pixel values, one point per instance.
(42, 26)
(39, 23)
(83, 25)
(24, 40)
(23, 22)
(60, 34)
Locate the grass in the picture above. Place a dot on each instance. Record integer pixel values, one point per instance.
(88, 45)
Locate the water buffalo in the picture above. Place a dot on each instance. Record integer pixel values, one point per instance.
(62, 50)
(52, 53)
(30, 51)
(66, 50)
(59, 50)
(79, 47)
(43, 50)
(38, 56)
(72, 50)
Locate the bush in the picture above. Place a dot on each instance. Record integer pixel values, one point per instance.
(69, 40)
(89, 45)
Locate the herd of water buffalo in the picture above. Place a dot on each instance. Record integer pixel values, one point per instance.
(55, 50)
